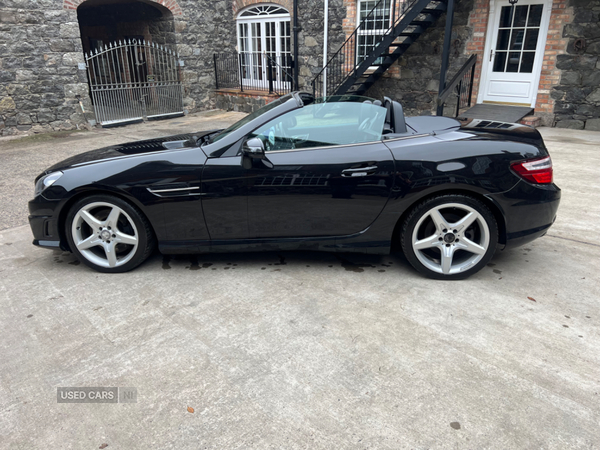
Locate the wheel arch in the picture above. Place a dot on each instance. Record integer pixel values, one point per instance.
(492, 206)
(64, 212)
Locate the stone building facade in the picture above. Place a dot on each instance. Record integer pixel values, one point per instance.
(44, 83)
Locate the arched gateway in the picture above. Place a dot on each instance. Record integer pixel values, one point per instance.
(133, 69)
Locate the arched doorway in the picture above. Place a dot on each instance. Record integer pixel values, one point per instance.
(133, 68)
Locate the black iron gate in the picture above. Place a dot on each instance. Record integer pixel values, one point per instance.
(134, 80)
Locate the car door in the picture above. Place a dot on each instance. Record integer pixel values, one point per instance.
(325, 172)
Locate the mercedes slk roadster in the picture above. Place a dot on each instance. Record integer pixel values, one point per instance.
(338, 174)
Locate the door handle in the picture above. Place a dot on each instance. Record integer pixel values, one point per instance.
(360, 172)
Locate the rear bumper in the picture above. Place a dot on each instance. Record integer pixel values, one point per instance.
(529, 211)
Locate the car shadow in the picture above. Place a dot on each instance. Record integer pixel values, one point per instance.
(277, 261)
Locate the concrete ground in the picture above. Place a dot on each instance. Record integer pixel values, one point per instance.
(302, 350)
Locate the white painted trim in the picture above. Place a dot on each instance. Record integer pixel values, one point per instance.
(495, 9)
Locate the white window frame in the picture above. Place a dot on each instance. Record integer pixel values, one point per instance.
(374, 32)
(254, 60)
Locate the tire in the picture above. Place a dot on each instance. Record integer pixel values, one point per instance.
(449, 237)
(108, 234)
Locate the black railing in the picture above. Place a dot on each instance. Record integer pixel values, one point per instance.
(378, 23)
(461, 85)
(254, 71)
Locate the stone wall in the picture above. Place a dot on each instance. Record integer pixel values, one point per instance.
(242, 102)
(40, 53)
(42, 72)
(577, 95)
(310, 38)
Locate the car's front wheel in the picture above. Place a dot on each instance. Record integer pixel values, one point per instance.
(108, 234)
(449, 237)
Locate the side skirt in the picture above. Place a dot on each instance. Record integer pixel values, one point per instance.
(326, 244)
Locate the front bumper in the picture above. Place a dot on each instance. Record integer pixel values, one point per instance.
(43, 221)
(529, 211)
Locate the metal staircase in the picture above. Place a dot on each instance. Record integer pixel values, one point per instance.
(385, 33)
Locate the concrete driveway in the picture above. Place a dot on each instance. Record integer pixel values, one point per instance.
(302, 350)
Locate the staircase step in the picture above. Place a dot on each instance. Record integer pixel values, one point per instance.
(427, 20)
(417, 30)
(441, 7)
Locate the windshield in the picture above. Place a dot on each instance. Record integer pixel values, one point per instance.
(250, 117)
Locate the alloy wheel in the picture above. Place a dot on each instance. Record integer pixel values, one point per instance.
(104, 234)
(451, 238)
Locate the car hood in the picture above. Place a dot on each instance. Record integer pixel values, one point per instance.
(175, 142)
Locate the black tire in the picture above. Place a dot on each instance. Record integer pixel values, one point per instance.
(449, 250)
(108, 234)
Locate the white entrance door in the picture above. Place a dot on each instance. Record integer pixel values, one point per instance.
(514, 52)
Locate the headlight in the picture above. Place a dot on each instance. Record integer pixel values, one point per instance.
(46, 181)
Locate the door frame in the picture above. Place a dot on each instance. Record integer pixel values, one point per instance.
(258, 60)
(492, 31)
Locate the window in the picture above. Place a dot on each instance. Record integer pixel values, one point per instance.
(323, 125)
(377, 22)
(518, 37)
(264, 39)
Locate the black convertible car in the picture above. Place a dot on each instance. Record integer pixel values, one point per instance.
(341, 174)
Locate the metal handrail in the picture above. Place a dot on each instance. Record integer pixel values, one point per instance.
(346, 54)
(229, 72)
(462, 83)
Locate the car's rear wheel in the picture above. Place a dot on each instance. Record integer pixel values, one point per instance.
(108, 234)
(449, 237)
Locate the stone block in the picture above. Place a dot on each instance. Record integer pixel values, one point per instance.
(564, 108)
(572, 124)
(310, 41)
(185, 50)
(23, 119)
(25, 76)
(6, 76)
(11, 121)
(61, 45)
(592, 124)
(6, 104)
(17, 89)
(55, 15)
(588, 110)
(45, 116)
(12, 63)
(577, 94)
(22, 47)
(73, 90)
(69, 30)
(36, 129)
(570, 78)
(9, 17)
(594, 97)
(72, 59)
(591, 78)
(576, 62)
(33, 62)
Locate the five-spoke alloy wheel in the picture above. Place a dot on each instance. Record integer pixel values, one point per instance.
(108, 234)
(449, 237)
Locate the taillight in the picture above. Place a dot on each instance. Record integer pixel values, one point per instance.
(537, 171)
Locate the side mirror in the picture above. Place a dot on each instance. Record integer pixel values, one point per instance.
(254, 148)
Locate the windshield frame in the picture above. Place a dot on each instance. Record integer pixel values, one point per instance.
(250, 117)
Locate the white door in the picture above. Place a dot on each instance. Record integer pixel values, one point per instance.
(514, 54)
